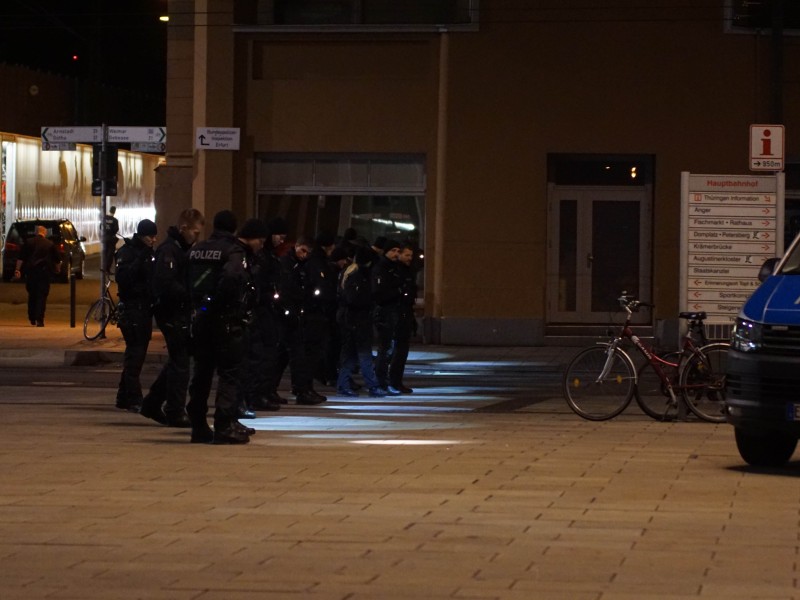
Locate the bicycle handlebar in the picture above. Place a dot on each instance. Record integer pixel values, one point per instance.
(631, 304)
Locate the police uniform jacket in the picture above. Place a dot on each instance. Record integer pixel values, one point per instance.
(134, 273)
(387, 283)
(110, 229)
(171, 275)
(266, 272)
(293, 283)
(408, 277)
(321, 282)
(219, 275)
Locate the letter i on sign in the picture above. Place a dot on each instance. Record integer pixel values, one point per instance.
(766, 144)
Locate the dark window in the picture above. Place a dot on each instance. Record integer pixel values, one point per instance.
(593, 169)
(354, 12)
(758, 14)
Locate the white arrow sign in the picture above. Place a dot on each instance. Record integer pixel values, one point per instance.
(137, 134)
(57, 135)
(217, 138)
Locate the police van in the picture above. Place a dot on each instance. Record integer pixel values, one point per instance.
(763, 370)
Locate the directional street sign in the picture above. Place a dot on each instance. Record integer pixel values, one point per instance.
(217, 138)
(56, 138)
(64, 138)
(148, 147)
(137, 134)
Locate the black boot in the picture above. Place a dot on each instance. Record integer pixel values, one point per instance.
(201, 433)
(225, 432)
(152, 410)
(243, 412)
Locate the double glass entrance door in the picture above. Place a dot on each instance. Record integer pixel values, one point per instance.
(599, 246)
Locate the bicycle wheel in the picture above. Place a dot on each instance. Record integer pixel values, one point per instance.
(652, 395)
(593, 399)
(96, 319)
(702, 382)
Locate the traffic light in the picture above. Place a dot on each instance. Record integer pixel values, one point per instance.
(104, 168)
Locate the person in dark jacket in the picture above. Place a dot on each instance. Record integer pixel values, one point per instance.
(354, 317)
(406, 325)
(39, 259)
(134, 274)
(293, 293)
(110, 230)
(319, 307)
(387, 285)
(221, 288)
(172, 308)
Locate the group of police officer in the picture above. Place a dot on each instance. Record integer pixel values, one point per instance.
(245, 309)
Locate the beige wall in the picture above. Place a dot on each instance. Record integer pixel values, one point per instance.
(517, 90)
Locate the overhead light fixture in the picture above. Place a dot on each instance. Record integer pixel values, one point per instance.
(163, 18)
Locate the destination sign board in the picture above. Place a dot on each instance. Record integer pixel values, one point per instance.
(730, 225)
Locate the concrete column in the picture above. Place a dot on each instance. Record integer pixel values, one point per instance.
(200, 67)
(441, 177)
(213, 102)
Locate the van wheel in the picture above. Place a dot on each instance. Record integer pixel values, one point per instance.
(767, 449)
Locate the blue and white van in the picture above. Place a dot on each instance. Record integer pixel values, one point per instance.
(763, 369)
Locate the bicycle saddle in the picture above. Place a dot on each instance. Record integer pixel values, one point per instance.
(693, 316)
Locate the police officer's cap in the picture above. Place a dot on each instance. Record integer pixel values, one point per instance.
(225, 220)
(147, 227)
(253, 229)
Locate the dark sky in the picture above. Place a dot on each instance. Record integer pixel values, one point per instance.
(119, 42)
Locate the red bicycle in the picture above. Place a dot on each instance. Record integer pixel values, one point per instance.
(601, 380)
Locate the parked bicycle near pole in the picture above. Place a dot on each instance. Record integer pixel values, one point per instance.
(100, 314)
(600, 382)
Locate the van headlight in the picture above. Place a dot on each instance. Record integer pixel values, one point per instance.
(746, 336)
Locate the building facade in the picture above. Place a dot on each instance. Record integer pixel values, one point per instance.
(535, 152)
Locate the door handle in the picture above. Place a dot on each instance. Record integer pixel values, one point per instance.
(589, 260)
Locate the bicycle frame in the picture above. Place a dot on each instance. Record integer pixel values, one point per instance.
(666, 386)
(689, 348)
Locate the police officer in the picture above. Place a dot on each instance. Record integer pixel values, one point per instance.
(258, 390)
(319, 306)
(134, 287)
(294, 288)
(221, 288)
(406, 325)
(172, 308)
(387, 287)
(110, 230)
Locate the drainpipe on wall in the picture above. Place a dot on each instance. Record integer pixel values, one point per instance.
(776, 83)
(441, 187)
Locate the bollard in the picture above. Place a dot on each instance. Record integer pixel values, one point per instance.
(72, 300)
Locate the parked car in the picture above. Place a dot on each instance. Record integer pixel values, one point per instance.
(763, 369)
(61, 232)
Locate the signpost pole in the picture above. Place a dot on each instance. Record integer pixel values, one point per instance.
(104, 267)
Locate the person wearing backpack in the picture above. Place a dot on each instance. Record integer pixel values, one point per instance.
(354, 317)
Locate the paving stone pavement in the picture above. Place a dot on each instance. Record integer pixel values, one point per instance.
(422, 497)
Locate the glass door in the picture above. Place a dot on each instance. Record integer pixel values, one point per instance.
(599, 246)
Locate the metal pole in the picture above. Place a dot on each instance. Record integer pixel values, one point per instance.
(104, 268)
(71, 299)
